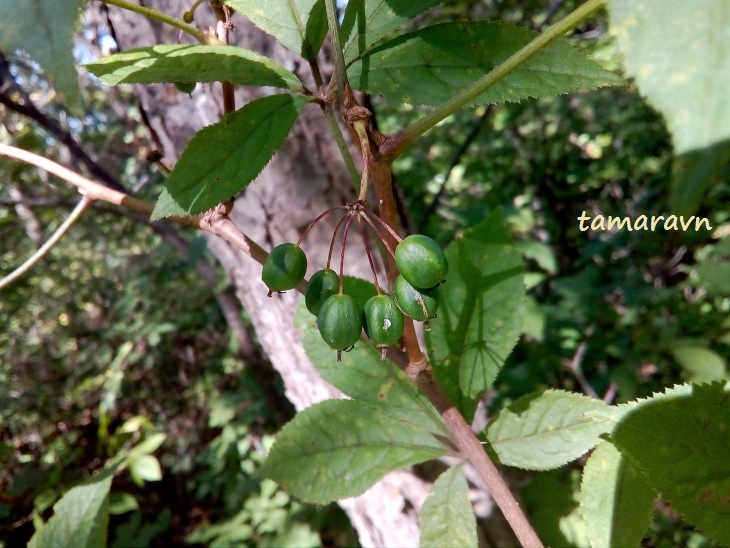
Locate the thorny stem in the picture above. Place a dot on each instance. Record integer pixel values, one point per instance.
(367, 251)
(342, 251)
(199, 35)
(394, 146)
(310, 226)
(75, 215)
(334, 237)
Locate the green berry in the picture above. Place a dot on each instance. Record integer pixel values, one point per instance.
(322, 286)
(419, 304)
(188, 17)
(185, 87)
(421, 261)
(284, 268)
(384, 322)
(339, 321)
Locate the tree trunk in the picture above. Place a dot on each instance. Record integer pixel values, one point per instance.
(306, 177)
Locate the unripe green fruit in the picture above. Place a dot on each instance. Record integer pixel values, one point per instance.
(384, 322)
(188, 17)
(339, 321)
(421, 261)
(284, 268)
(322, 286)
(419, 304)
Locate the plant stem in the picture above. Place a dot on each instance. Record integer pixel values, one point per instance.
(82, 206)
(199, 35)
(329, 115)
(334, 236)
(367, 251)
(394, 146)
(334, 28)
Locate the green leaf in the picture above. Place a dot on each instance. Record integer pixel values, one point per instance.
(45, 31)
(433, 64)
(185, 63)
(680, 441)
(677, 52)
(338, 448)
(447, 517)
(617, 502)
(222, 159)
(145, 468)
(121, 503)
(480, 315)
(368, 21)
(545, 430)
(703, 364)
(300, 25)
(363, 376)
(80, 518)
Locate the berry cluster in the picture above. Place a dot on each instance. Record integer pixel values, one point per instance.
(421, 264)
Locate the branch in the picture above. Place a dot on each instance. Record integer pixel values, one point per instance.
(334, 28)
(396, 144)
(82, 206)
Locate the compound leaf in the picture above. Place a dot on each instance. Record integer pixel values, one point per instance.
(224, 158)
(431, 65)
(45, 31)
(680, 441)
(80, 517)
(300, 25)
(368, 21)
(338, 448)
(185, 63)
(545, 430)
(447, 517)
(480, 314)
(616, 500)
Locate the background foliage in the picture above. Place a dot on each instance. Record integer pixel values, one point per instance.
(99, 353)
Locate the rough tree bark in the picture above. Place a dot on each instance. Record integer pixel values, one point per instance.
(306, 177)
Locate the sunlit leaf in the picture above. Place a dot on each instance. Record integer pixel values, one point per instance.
(431, 65)
(185, 63)
(300, 25)
(617, 502)
(368, 21)
(222, 159)
(546, 430)
(338, 448)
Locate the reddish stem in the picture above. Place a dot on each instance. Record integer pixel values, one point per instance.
(311, 225)
(334, 236)
(367, 250)
(385, 225)
(380, 235)
(342, 251)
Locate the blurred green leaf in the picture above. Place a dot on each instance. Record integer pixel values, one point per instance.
(186, 63)
(145, 468)
(222, 159)
(80, 518)
(338, 448)
(616, 500)
(447, 517)
(45, 31)
(702, 363)
(679, 440)
(545, 430)
(121, 503)
(300, 25)
(366, 22)
(480, 315)
(431, 65)
(677, 52)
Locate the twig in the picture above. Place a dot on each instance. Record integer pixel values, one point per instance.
(334, 28)
(574, 366)
(82, 206)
